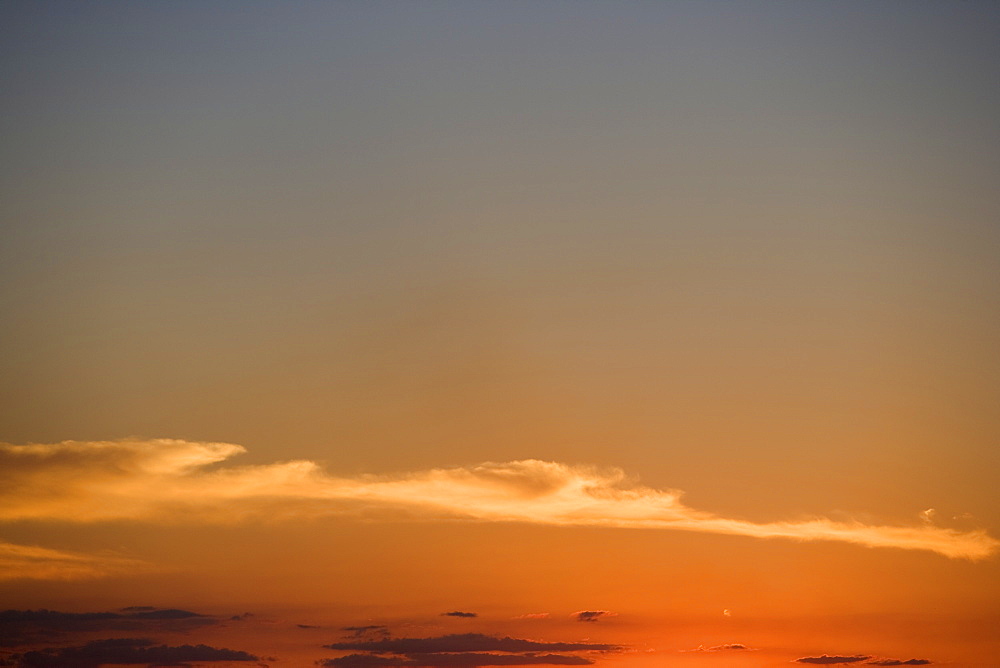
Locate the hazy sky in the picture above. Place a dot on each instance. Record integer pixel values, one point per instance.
(351, 314)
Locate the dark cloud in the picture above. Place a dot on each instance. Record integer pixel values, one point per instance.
(868, 660)
(52, 616)
(166, 614)
(833, 659)
(590, 615)
(459, 613)
(126, 651)
(307, 626)
(734, 646)
(369, 630)
(465, 660)
(466, 642)
(361, 660)
(25, 627)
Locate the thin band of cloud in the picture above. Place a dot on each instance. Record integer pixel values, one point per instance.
(30, 562)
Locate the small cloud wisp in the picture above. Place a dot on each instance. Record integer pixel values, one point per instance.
(30, 562)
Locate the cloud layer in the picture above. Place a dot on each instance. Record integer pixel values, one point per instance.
(154, 479)
(466, 642)
(20, 628)
(465, 649)
(39, 563)
(127, 651)
(862, 659)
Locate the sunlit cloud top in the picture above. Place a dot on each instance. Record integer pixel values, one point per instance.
(150, 480)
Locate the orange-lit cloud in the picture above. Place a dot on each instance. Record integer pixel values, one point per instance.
(39, 563)
(728, 647)
(154, 479)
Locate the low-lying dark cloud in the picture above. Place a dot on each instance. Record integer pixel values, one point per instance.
(833, 659)
(467, 642)
(170, 613)
(465, 660)
(459, 613)
(465, 650)
(126, 651)
(863, 659)
(25, 627)
(54, 616)
(591, 615)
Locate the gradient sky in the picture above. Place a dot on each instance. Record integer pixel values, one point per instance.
(352, 314)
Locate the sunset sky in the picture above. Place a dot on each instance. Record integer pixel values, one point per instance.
(468, 333)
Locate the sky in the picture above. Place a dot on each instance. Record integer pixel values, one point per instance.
(624, 334)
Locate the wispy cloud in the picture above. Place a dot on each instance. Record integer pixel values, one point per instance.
(127, 651)
(367, 631)
(473, 660)
(40, 627)
(40, 563)
(728, 647)
(466, 649)
(152, 479)
(592, 615)
(466, 642)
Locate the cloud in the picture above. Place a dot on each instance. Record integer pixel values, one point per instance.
(24, 627)
(591, 615)
(370, 629)
(458, 613)
(30, 562)
(466, 642)
(467, 649)
(533, 615)
(863, 659)
(729, 647)
(457, 660)
(360, 660)
(832, 659)
(126, 651)
(138, 612)
(153, 479)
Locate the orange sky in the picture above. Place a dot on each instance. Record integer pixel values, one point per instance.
(642, 334)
